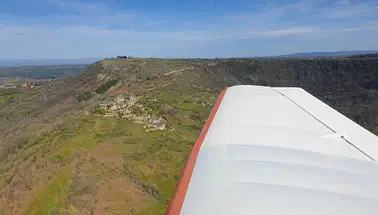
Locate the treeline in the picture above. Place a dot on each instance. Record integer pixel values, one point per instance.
(105, 87)
(350, 85)
(125, 57)
(374, 55)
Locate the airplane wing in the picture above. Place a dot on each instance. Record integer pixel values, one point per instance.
(270, 151)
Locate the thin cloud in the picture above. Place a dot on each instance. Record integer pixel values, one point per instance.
(271, 12)
(83, 8)
(82, 27)
(321, 11)
(92, 14)
(81, 32)
(290, 31)
(346, 9)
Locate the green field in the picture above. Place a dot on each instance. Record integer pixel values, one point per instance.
(9, 95)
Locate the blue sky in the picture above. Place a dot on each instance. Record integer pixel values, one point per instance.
(192, 28)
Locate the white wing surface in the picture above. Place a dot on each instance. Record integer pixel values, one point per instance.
(271, 151)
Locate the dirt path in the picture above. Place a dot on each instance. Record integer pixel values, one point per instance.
(177, 71)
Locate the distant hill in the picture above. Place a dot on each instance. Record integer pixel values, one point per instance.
(328, 54)
(373, 55)
(46, 62)
(42, 72)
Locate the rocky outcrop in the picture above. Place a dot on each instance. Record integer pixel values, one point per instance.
(127, 106)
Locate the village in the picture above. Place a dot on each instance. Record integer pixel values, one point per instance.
(12, 83)
(127, 106)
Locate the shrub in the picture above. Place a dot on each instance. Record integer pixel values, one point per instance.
(98, 110)
(105, 87)
(84, 96)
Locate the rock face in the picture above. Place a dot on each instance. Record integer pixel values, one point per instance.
(127, 106)
(101, 77)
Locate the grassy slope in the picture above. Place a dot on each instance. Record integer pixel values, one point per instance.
(73, 165)
(58, 158)
(151, 161)
(9, 95)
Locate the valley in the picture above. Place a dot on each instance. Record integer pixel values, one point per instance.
(30, 76)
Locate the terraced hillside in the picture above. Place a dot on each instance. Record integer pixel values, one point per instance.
(113, 140)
